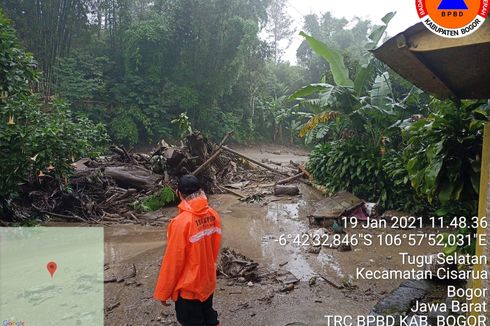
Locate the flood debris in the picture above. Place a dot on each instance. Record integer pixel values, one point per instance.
(331, 209)
(289, 190)
(235, 265)
(107, 189)
(391, 214)
(119, 273)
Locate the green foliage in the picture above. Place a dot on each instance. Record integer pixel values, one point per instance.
(156, 201)
(17, 68)
(334, 58)
(399, 192)
(127, 125)
(185, 128)
(45, 140)
(80, 79)
(218, 123)
(348, 166)
(367, 105)
(347, 37)
(443, 153)
(451, 248)
(36, 138)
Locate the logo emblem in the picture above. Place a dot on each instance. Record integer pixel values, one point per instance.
(452, 18)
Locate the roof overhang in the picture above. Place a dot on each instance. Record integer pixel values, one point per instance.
(444, 67)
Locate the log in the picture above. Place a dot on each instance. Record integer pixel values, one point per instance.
(254, 161)
(236, 193)
(213, 157)
(131, 177)
(225, 138)
(286, 190)
(208, 162)
(303, 169)
(287, 180)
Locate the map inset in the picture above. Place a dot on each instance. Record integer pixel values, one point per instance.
(74, 295)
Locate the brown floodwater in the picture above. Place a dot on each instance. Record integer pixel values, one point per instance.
(254, 230)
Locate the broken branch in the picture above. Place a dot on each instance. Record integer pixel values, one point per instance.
(287, 180)
(254, 161)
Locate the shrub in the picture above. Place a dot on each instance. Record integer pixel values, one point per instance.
(399, 192)
(443, 153)
(35, 137)
(347, 165)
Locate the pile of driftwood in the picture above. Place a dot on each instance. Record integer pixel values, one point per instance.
(103, 190)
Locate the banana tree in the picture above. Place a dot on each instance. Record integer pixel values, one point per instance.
(366, 101)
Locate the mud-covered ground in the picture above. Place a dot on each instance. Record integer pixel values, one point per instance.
(133, 255)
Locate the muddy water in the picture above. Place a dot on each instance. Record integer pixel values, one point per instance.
(253, 230)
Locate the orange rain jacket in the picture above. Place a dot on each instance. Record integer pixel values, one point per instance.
(189, 264)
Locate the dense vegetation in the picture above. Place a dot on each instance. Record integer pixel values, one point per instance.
(387, 142)
(136, 65)
(36, 136)
(146, 70)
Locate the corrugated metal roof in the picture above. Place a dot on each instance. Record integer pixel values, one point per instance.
(444, 67)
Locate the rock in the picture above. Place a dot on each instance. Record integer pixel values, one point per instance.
(242, 279)
(250, 284)
(400, 300)
(433, 316)
(287, 277)
(315, 250)
(287, 288)
(119, 273)
(312, 281)
(344, 247)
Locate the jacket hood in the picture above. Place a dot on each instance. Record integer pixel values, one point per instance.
(197, 204)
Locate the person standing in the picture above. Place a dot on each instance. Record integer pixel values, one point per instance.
(188, 271)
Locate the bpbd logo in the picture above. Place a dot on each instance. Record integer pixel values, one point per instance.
(452, 18)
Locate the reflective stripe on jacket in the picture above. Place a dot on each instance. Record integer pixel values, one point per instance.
(189, 264)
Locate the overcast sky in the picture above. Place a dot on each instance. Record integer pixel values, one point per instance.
(374, 10)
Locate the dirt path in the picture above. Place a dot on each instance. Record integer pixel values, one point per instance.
(252, 230)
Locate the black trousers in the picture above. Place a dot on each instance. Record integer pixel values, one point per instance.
(195, 312)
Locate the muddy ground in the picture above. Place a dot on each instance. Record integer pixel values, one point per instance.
(133, 255)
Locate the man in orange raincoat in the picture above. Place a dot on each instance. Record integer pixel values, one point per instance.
(188, 271)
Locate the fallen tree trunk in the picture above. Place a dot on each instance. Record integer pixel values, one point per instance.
(286, 190)
(208, 162)
(254, 161)
(213, 157)
(287, 180)
(131, 177)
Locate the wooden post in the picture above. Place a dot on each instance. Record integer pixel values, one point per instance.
(483, 211)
